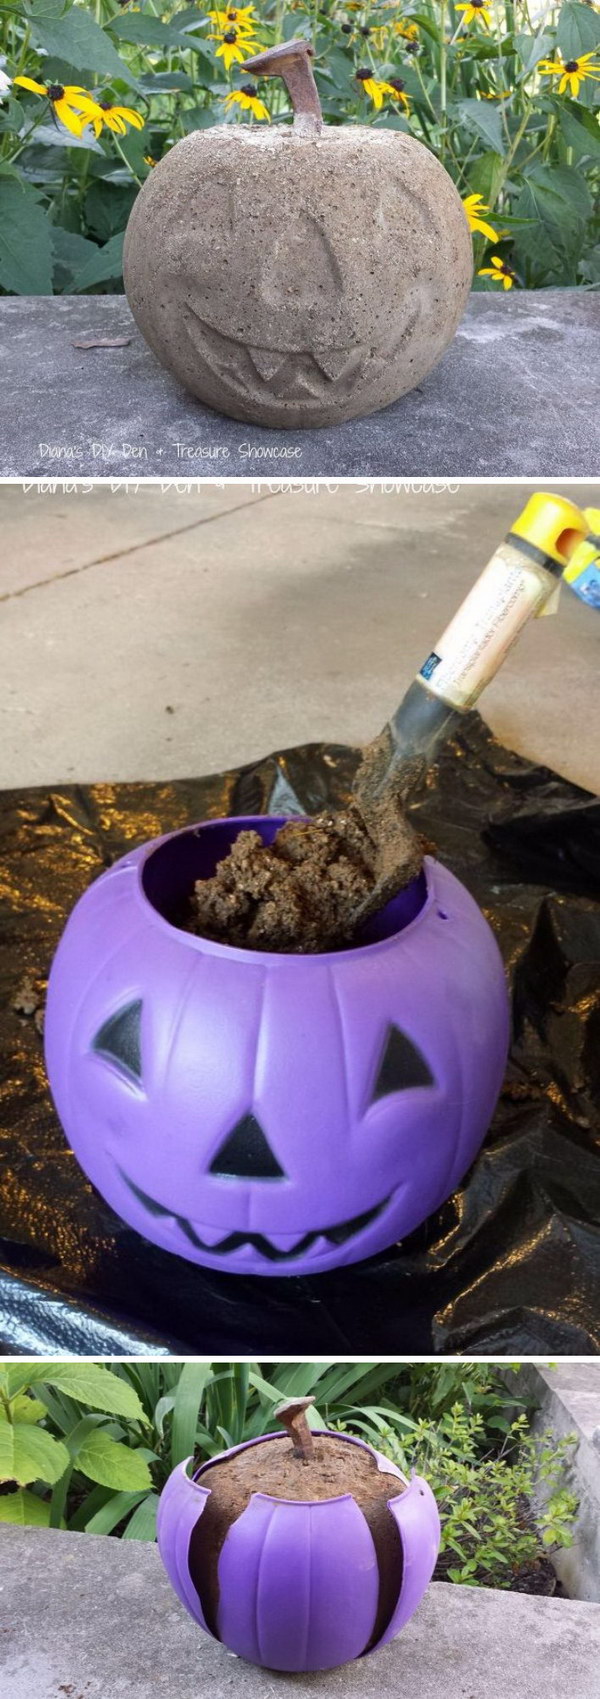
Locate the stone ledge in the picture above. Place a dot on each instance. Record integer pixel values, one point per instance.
(515, 395)
(83, 1617)
(567, 1400)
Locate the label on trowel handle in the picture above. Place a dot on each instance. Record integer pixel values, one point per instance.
(510, 590)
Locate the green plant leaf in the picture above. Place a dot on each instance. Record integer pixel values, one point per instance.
(30, 1454)
(578, 30)
(82, 43)
(142, 28)
(24, 1510)
(108, 263)
(186, 1409)
(580, 130)
(90, 1383)
(111, 1464)
(25, 241)
(142, 1525)
(108, 1516)
(23, 1409)
(482, 116)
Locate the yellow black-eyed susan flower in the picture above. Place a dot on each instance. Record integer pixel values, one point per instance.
(234, 47)
(116, 118)
(499, 271)
(474, 10)
(240, 18)
(376, 89)
(248, 98)
(474, 205)
(572, 72)
(73, 106)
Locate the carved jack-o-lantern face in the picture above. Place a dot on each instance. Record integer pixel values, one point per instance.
(272, 1114)
(294, 282)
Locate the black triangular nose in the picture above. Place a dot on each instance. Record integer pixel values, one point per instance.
(246, 1154)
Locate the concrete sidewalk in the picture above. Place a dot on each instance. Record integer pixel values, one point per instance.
(164, 633)
(84, 1617)
(515, 396)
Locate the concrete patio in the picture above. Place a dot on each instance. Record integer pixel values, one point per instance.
(86, 1617)
(289, 617)
(515, 395)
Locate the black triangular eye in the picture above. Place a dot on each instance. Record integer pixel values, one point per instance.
(401, 1065)
(119, 1040)
(246, 1154)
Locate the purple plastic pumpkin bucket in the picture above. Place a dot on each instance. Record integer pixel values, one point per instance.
(272, 1114)
(299, 1582)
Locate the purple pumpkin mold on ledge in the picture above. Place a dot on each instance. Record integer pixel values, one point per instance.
(300, 1582)
(272, 1114)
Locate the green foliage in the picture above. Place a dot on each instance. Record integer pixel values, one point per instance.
(477, 99)
(89, 1447)
(489, 1531)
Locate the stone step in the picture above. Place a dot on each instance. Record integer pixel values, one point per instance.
(85, 1617)
(567, 1400)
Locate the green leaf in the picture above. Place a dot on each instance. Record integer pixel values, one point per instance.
(23, 1409)
(107, 207)
(143, 28)
(485, 175)
(166, 82)
(24, 1510)
(532, 48)
(71, 253)
(580, 130)
(82, 43)
(142, 1525)
(25, 241)
(90, 1383)
(108, 263)
(104, 1520)
(578, 30)
(111, 1464)
(30, 1454)
(482, 116)
(186, 1409)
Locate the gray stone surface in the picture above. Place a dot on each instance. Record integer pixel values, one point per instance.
(261, 642)
(84, 1617)
(296, 279)
(567, 1399)
(515, 395)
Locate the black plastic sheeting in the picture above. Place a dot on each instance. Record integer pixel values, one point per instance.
(511, 1264)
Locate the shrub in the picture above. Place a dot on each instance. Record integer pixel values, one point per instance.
(505, 96)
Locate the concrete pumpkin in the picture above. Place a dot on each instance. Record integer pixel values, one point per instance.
(298, 275)
(272, 1114)
(299, 1582)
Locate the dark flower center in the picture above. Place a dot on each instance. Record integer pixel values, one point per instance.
(364, 29)
(572, 65)
(55, 91)
(250, 89)
(230, 35)
(412, 47)
(346, 29)
(364, 75)
(397, 83)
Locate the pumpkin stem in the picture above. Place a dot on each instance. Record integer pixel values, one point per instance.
(293, 1416)
(291, 61)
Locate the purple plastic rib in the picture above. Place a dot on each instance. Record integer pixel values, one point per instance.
(416, 1516)
(182, 1502)
(299, 1583)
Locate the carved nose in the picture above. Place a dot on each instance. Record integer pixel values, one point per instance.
(246, 1154)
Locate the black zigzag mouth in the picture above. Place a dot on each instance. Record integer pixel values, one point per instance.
(337, 1235)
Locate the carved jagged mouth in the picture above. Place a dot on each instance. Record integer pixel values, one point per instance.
(301, 375)
(338, 1235)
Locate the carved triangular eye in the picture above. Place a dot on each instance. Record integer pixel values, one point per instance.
(119, 1040)
(246, 1154)
(402, 1065)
